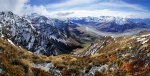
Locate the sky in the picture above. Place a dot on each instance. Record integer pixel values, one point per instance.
(79, 8)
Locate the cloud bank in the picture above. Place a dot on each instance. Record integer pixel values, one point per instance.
(77, 8)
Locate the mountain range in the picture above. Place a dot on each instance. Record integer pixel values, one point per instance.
(36, 45)
(116, 56)
(49, 36)
(111, 24)
(38, 34)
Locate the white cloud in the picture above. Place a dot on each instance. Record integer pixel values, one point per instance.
(93, 4)
(28, 9)
(72, 8)
(97, 8)
(70, 3)
(21, 7)
(120, 4)
(12, 5)
(96, 13)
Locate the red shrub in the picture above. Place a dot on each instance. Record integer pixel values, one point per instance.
(86, 59)
(39, 72)
(101, 55)
(69, 72)
(135, 65)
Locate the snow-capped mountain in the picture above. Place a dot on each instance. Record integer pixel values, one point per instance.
(101, 19)
(140, 20)
(108, 55)
(109, 23)
(38, 34)
(49, 36)
(60, 24)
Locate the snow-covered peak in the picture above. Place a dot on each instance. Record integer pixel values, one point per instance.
(106, 19)
(117, 20)
(36, 33)
(35, 18)
(121, 21)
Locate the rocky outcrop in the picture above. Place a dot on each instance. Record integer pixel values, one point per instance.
(38, 34)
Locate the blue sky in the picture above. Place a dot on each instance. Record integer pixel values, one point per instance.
(44, 2)
(79, 8)
(128, 5)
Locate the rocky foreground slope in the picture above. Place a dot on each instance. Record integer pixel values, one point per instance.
(115, 56)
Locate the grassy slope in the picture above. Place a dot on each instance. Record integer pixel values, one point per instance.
(85, 37)
(126, 55)
(15, 61)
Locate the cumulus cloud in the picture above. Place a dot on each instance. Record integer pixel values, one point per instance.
(21, 7)
(15, 6)
(28, 9)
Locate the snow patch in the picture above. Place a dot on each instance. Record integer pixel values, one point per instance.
(31, 24)
(145, 35)
(29, 52)
(43, 66)
(143, 40)
(2, 35)
(148, 54)
(124, 55)
(10, 42)
(31, 42)
(58, 39)
(1, 70)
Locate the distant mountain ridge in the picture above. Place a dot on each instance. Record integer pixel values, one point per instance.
(139, 20)
(101, 19)
(118, 20)
(110, 23)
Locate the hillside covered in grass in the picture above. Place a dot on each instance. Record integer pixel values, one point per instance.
(107, 56)
(15, 61)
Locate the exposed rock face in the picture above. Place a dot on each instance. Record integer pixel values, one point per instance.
(38, 34)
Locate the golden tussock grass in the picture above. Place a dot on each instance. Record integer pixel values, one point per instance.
(17, 61)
